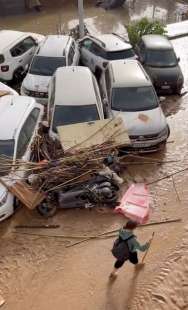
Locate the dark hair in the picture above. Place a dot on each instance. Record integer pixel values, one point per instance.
(130, 225)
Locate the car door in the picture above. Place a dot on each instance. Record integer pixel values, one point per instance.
(88, 55)
(22, 53)
(25, 139)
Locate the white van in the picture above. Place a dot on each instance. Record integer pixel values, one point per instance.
(74, 97)
(16, 51)
(128, 92)
(56, 51)
(20, 116)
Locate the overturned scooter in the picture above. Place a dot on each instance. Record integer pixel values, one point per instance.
(101, 189)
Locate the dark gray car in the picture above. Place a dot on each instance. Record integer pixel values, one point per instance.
(158, 57)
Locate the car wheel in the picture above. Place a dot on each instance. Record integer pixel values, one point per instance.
(177, 91)
(47, 209)
(16, 203)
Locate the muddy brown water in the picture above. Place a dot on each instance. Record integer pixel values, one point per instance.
(39, 272)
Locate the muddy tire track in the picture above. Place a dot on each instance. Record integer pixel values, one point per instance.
(169, 289)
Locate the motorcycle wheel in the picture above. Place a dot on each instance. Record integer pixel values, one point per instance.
(47, 209)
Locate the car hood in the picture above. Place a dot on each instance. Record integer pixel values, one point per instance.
(143, 122)
(36, 82)
(166, 74)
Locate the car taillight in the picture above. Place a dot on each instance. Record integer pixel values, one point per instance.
(4, 68)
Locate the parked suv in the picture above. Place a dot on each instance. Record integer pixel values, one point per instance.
(74, 97)
(19, 120)
(157, 55)
(130, 94)
(16, 51)
(56, 51)
(96, 51)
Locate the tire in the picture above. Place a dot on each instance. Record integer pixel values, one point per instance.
(16, 203)
(47, 209)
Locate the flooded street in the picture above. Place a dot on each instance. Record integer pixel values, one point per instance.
(64, 13)
(38, 272)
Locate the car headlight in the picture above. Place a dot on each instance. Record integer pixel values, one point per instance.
(3, 198)
(180, 79)
(164, 132)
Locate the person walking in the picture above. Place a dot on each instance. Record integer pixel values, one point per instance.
(126, 246)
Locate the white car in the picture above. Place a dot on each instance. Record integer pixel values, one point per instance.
(56, 51)
(19, 121)
(74, 97)
(96, 51)
(129, 93)
(6, 89)
(16, 51)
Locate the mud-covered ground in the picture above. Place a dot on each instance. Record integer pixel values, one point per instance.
(40, 272)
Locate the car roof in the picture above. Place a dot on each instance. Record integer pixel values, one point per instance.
(155, 41)
(12, 110)
(129, 73)
(7, 37)
(111, 42)
(74, 86)
(53, 45)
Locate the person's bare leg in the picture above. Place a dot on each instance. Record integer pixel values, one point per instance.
(114, 273)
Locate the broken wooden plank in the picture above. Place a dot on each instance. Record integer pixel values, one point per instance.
(25, 193)
(85, 135)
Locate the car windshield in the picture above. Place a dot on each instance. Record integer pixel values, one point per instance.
(120, 54)
(65, 115)
(6, 151)
(132, 99)
(161, 58)
(46, 65)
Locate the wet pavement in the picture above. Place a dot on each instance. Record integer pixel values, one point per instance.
(63, 14)
(41, 273)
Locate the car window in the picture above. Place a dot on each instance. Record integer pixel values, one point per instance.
(65, 115)
(128, 53)
(97, 50)
(161, 58)
(71, 56)
(132, 99)
(2, 59)
(22, 47)
(28, 43)
(26, 132)
(46, 66)
(87, 43)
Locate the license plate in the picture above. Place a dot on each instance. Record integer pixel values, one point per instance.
(165, 87)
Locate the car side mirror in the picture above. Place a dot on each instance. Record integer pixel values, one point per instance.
(178, 59)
